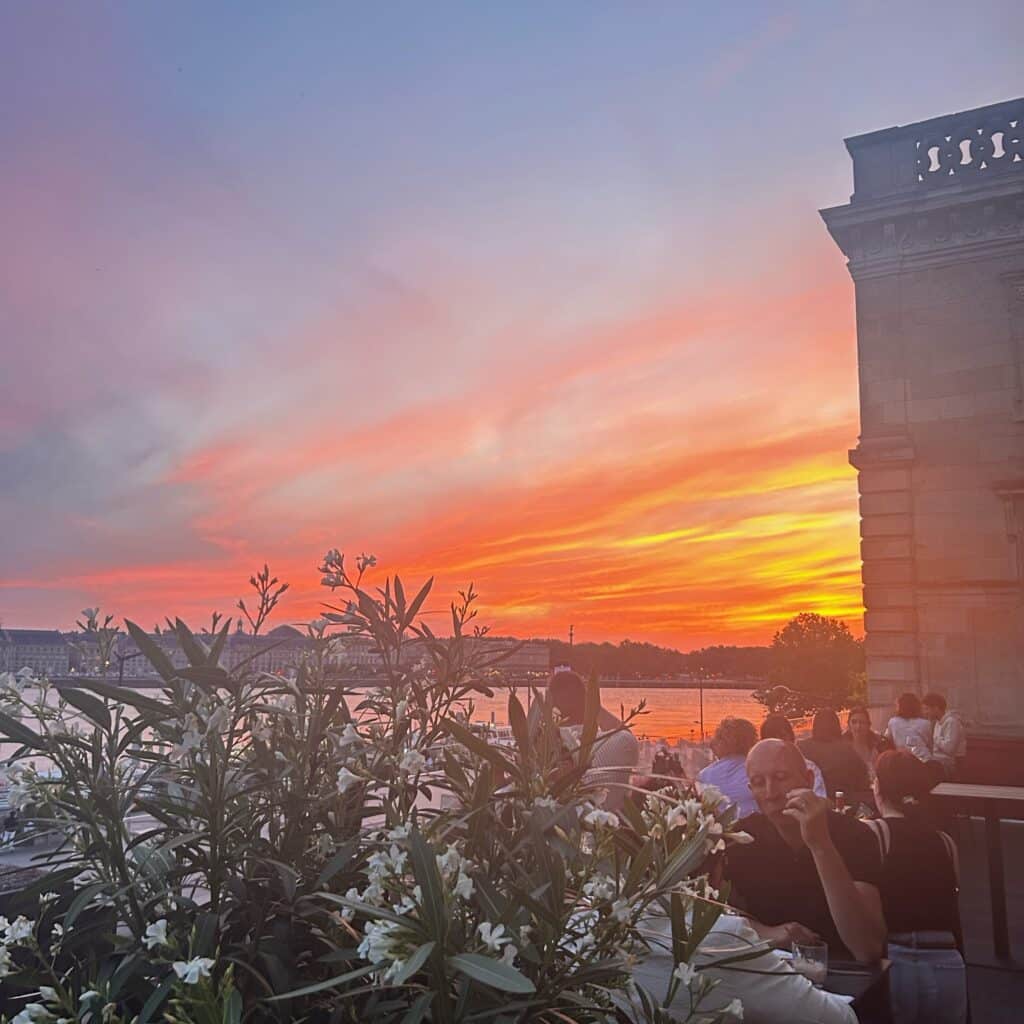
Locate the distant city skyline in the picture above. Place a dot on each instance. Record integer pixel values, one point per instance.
(533, 298)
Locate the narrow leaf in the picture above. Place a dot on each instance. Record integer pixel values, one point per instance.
(492, 972)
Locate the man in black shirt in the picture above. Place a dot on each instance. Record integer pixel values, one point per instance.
(809, 872)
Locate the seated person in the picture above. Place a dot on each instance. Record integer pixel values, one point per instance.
(809, 871)
(949, 738)
(768, 988)
(778, 727)
(732, 739)
(863, 740)
(918, 886)
(843, 770)
(615, 752)
(908, 729)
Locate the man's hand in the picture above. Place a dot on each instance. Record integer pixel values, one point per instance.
(811, 811)
(782, 936)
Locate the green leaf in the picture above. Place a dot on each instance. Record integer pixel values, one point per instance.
(517, 720)
(95, 710)
(417, 601)
(204, 675)
(153, 1003)
(322, 986)
(492, 972)
(424, 869)
(81, 901)
(194, 649)
(11, 729)
(590, 714)
(125, 695)
(152, 651)
(217, 647)
(481, 747)
(418, 1010)
(414, 963)
(233, 1008)
(336, 863)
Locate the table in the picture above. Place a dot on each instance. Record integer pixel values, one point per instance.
(867, 983)
(993, 803)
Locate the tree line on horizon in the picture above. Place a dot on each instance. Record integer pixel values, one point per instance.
(813, 661)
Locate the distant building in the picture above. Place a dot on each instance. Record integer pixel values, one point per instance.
(44, 651)
(278, 652)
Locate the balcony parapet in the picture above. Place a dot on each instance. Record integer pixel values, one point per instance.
(966, 148)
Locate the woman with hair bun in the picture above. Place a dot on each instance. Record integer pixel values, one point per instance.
(918, 885)
(908, 729)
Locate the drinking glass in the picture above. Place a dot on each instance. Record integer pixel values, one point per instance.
(811, 960)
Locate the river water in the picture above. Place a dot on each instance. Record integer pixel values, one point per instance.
(671, 715)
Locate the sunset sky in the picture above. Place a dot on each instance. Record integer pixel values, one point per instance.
(533, 295)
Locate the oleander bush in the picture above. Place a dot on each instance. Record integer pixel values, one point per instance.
(238, 846)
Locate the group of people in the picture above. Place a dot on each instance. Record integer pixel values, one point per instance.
(885, 885)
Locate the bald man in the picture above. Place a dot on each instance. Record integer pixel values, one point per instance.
(809, 872)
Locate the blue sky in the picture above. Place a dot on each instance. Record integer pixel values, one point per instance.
(284, 277)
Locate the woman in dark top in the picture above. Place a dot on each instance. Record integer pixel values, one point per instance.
(918, 886)
(865, 742)
(843, 770)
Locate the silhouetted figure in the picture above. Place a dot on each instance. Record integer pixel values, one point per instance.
(949, 738)
(842, 769)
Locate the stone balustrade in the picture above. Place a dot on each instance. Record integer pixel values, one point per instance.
(956, 149)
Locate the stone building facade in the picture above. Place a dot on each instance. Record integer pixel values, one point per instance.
(934, 236)
(43, 651)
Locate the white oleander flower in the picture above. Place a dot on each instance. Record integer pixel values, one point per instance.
(509, 954)
(464, 887)
(412, 762)
(711, 796)
(156, 934)
(601, 819)
(379, 941)
(48, 994)
(346, 779)
(685, 973)
(735, 1008)
(549, 803)
(347, 912)
(218, 720)
(190, 740)
(621, 910)
(493, 936)
(5, 961)
(18, 931)
(600, 887)
(34, 1013)
(450, 862)
(196, 968)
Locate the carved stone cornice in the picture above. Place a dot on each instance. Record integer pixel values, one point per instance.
(882, 238)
